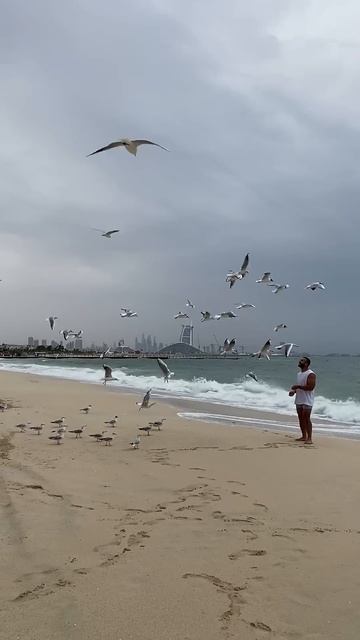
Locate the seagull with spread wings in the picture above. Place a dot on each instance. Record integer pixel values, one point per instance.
(128, 313)
(165, 369)
(233, 276)
(51, 321)
(287, 346)
(229, 346)
(130, 145)
(315, 285)
(107, 234)
(108, 374)
(265, 351)
(265, 278)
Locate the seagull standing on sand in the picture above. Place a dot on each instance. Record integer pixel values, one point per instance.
(278, 287)
(158, 424)
(229, 346)
(59, 421)
(78, 432)
(38, 428)
(165, 369)
(180, 314)
(145, 401)
(107, 234)
(190, 304)
(22, 426)
(265, 278)
(265, 351)
(280, 326)
(108, 374)
(58, 437)
(130, 145)
(147, 429)
(112, 422)
(287, 346)
(86, 409)
(233, 276)
(51, 321)
(135, 443)
(315, 285)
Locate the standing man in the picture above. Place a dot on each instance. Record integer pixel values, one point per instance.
(304, 398)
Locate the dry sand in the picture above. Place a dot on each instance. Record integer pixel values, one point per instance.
(206, 532)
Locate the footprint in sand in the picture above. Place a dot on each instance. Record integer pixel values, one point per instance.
(248, 552)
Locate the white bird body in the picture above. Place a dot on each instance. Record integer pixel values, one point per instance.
(280, 326)
(180, 314)
(165, 369)
(233, 276)
(287, 346)
(265, 278)
(130, 145)
(190, 304)
(278, 287)
(206, 315)
(128, 313)
(108, 374)
(135, 443)
(315, 285)
(229, 346)
(265, 351)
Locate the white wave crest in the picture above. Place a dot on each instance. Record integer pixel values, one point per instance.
(246, 393)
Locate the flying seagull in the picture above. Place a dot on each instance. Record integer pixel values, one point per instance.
(130, 145)
(265, 278)
(75, 334)
(280, 326)
(108, 352)
(206, 315)
(287, 346)
(51, 321)
(229, 346)
(107, 234)
(65, 333)
(145, 402)
(108, 374)
(246, 306)
(252, 375)
(127, 313)
(180, 314)
(165, 369)
(189, 304)
(233, 276)
(225, 314)
(278, 287)
(315, 285)
(265, 351)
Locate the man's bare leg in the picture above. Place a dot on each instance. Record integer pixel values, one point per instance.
(308, 424)
(302, 424)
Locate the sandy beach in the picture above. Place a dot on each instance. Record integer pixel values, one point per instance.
(205, 532)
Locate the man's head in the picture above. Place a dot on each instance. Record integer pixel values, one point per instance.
(304, 363)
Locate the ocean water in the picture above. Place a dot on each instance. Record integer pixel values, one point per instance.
(224, 383)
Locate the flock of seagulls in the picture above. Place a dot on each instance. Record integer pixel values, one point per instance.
(59, 429)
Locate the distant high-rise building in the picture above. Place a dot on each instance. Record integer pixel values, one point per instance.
(154, 346)
(121, 342)
(143, 342)
(149, 344)
(161, 346)
(70, 346)
(78, 344)
(137, 345)
(53, 344)
(36, 343)
(30, 341)
(44, 343)
(187, 334)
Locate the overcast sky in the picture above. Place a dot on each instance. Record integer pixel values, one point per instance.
(259, 106)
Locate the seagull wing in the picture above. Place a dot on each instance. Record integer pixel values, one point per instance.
(112, 145)
(109, 233)
(245, 263)
(139, 142)
(108, 371)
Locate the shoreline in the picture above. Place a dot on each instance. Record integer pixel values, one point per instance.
(258, 418)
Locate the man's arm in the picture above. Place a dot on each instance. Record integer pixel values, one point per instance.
(310, 383)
